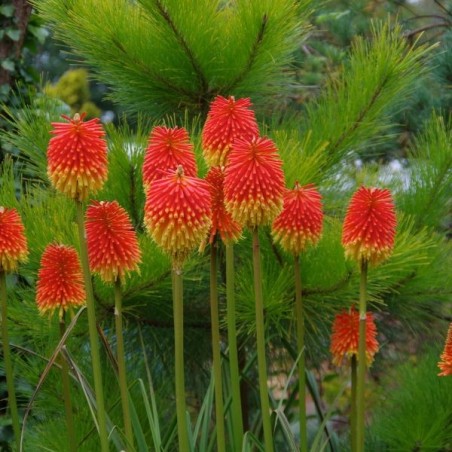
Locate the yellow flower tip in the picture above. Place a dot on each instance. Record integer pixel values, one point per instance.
(369, 226)
(300, 222)
(113, 249)
(254, 182)
(77, 157)
(60, 281)
(177, 213)
(13, 243)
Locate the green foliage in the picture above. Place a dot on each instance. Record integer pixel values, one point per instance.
(414, 412)
(162, 57)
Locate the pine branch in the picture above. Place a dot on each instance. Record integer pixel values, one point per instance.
(251, 58)
(204, 84)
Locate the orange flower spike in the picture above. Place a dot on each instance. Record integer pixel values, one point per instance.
(13, 243)
(177, 213)
(344, 340)
(300, 222)
(369, 226)
(112, 243)
(227, 120)
(168, 148)
(445, 364)
(60, 279)
(254, 182)
(222, 222)
(77, 157)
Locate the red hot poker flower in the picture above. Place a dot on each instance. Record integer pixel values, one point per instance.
(77, 156)
(446, 358)
(227, 120)
(254, 182)
(60, 280)
(222, 222)
(13, 244)
(300, 222)
(177, 213)
(344, 340)
(168, 148)
(112, 243)
(369, 226)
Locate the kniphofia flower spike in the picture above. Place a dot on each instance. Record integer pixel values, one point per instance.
(344, 338)
(167, 149)
(227, 120)
(77, 156)
(177, 213)
(112, 243)
(369, 226)
(13, 243)
(254, 182)
(446, 357)
(300, 222)
(60, 279)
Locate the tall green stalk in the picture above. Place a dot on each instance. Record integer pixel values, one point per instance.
(94, 341)
(178, 308)
(260, 339)
(301, 359)
(215, 323)
(67, 392)
(353, 405)
(236, 409)
(122, 365)
(8, 362)
(362, 365)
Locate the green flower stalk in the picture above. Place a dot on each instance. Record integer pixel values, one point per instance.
(368, 238)
(113, 253)
(298, 225)
(253, 193)
(13, 250)
(177, 216)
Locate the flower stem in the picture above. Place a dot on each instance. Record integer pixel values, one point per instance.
(178, 308)
(67, 391)
(94, 341)
(214, 315)
(301, 359)
(237, 417)
(353, 405)
(260, 339)
(122, 365)
(360, 411)
(8, 363)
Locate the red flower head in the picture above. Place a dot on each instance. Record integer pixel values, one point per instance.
(369, 226)
(227, 120)
(254, 182)
(13, 244)
(177, 213)
(77, 156)
(344, 340)
(300, 222)
(446, 358)
(60, 280)
(222, 222)
(112, 243)
(167, 149)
